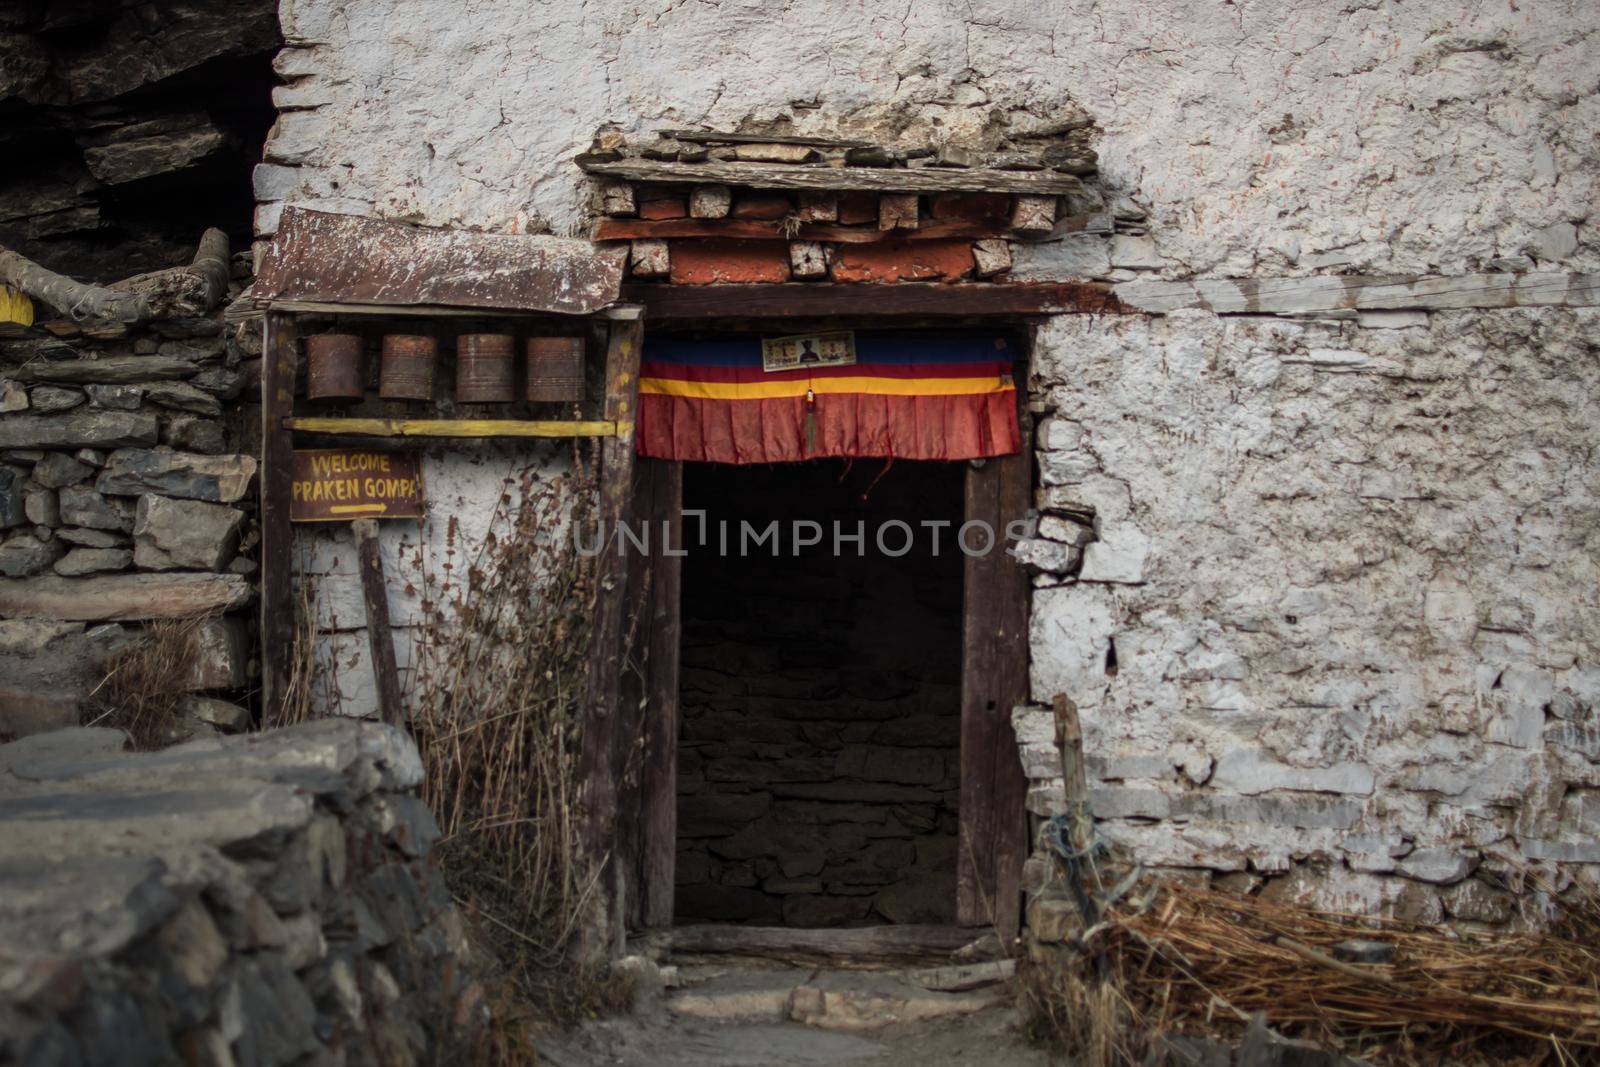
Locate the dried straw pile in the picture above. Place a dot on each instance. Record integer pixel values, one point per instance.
(1179, 958)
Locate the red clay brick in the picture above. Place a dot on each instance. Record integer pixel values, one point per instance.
(663, 209)
(899, 261)
(856, 208)
(970, 206)
(762, 206)
(715, 261)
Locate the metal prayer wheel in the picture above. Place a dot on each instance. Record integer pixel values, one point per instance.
(333, 367)
(555, 368)
(406, 372)
(486, 368)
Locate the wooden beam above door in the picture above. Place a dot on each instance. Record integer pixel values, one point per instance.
(905, 300)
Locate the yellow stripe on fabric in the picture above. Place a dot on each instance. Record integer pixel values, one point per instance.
(822, 386)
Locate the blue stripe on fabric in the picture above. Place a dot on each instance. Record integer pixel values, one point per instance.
(945, 347)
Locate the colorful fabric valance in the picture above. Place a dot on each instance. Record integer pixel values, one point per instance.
(942, 396)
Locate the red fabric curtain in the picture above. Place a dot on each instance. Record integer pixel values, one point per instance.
(935, 396)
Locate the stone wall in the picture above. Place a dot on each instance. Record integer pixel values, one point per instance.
(1266, 140)
(819, 761)
(127, 492)
(1331, 627)
(256, 900)
(1318, 585)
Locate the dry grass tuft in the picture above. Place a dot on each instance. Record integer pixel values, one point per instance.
(496, 710)
(142, 687)
(1189, 959)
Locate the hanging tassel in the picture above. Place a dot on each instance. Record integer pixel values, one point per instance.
(811, 421)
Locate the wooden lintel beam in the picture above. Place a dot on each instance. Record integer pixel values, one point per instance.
(870, 179)
(754, 229)
(717, 137)
(452, 427)
(911, 299)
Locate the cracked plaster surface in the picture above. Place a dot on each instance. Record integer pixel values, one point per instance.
(1263, 137)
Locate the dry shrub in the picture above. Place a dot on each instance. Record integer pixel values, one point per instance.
(296, 704)
(142, 687)
(500, 671)
(1197, 960)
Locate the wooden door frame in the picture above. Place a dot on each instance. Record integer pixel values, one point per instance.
(992, 838)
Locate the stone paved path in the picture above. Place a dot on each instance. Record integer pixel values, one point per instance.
(748, 1016)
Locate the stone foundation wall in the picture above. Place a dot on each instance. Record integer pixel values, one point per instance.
(819, 761)
(258, 900)
(1330, 631)
(127, 464)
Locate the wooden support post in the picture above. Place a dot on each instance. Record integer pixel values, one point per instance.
(379, 636)
(992, 840)
(277, 536)
(659, 776)
(598, 758)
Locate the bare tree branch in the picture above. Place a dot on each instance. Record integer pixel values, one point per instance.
(177, 291)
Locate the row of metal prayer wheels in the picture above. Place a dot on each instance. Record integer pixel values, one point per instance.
(486, 368)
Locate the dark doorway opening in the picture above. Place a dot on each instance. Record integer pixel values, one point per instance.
(819, 763)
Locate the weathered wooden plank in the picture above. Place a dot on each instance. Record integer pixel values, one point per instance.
(647, 699)
(1291, 296)
(122, 597)
(451, 427)
(872, 179)
(375, 597)
(598, 757)
(760, 229)
(858, 947)
(348, 259)
(992, 834)
(715, 137)
(277, 535)
(909, 299)
(661, 754)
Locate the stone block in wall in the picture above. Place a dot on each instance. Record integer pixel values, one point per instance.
(1306, 810)
(82, 505)
(1250, 771)
(57, 469)
(220, 655)
(219, 479)
(1069, 634)
(1120, 554)
(13, 506)
(80, 561)
(171, 534)
(92, 429)
(23, 554)
(49, 399)
(180, 396)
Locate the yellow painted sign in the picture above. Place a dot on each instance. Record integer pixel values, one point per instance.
(340, 484)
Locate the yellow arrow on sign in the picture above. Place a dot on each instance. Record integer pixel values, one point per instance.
(351, 509)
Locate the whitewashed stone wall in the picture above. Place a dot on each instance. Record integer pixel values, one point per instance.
(1347, 568)
(425, 563)
(1347, 575)
(1262, 137)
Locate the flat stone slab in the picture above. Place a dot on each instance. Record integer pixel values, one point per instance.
(123, 597)
(863, 1000)
(738, 994)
